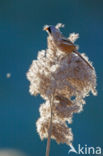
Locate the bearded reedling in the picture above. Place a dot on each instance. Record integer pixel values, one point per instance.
(62, 43)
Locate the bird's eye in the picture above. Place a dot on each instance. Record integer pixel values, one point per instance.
(49, 29)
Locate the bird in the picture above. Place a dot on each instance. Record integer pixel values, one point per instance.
(62, 43)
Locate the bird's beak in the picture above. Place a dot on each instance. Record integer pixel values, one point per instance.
(46, 28)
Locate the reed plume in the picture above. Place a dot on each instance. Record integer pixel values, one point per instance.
(63, 81)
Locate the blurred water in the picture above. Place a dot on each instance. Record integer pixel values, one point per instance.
(21, 36)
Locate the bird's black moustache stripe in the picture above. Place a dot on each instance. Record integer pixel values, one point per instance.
(49, 29)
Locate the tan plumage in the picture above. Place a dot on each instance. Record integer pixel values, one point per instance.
(65, 45)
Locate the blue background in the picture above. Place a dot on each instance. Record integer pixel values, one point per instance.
(21, 37)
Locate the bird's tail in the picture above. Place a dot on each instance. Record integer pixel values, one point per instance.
(76, 52)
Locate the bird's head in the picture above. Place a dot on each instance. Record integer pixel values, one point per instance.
(53, 31)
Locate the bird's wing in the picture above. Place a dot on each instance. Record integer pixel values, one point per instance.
(67, 41)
